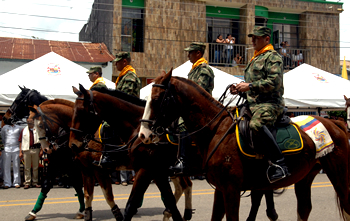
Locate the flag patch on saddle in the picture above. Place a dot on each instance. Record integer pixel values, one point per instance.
(288, 139)
(317, 132)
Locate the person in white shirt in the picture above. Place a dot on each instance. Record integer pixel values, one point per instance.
(29, 150)
(10, 135)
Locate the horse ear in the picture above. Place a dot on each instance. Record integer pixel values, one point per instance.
(20, 88)
(84, 91)
(345, 97)
(167, 77)
(76, 91)
(33, 109)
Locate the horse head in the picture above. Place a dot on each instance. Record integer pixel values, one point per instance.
(85, 120)
(19, 108)
(161, 109)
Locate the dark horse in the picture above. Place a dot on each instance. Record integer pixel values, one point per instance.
(123, 112)
(55, 113)
(19, 110)
(226, 168)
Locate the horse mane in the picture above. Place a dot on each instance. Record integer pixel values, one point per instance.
(59, 101)
(200, 89)
(39, 98)
(122, 95)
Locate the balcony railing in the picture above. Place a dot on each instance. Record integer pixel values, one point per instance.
(293, 57)
(230, 55)
(227, 55)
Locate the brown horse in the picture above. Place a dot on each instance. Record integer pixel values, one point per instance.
(226, 168)
(61, 112)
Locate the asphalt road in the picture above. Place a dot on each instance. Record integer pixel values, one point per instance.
(61, 204)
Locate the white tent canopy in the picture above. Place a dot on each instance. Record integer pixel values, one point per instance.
(221, 80)
(52, 75)
(307, 88)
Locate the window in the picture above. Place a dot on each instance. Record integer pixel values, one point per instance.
(132, 38)
(285, 32)
(222, 26)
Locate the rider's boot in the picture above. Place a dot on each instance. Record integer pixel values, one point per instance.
(278, 170)
(181, 166)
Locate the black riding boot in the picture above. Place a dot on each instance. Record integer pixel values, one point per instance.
(278, 170)
(180, 166)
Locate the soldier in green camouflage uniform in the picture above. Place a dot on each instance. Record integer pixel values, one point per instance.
(203, 75)
(95, 74)
(264, 90)
(129, 83)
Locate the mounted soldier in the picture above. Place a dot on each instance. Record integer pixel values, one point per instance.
(264, 89)
(128, 82)
(203, 75)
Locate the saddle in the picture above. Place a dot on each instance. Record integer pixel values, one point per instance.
(285, 133)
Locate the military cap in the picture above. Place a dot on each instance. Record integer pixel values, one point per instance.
(121, 55)
(196, 46)
(94, 69)
(260, 31)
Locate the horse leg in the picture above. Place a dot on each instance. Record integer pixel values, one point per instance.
(168, 197)
(141, 183)
(89, 184)
(232, 197)
(75, 176)
(187, 188)
(177, 194)
(270, 205)
(255, 197)
(303, 193)
(218, 207)
(106, 186)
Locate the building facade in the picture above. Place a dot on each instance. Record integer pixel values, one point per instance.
(157, 31)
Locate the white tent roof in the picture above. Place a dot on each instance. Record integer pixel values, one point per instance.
(52, 75)
(307, 88)
(221, 81)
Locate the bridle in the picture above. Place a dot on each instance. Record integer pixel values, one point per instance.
(168, 102)
(49, 136)
(87, 137)
(15, 105)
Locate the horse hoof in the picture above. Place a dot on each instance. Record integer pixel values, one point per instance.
(272, 215)
(79, 215)
(88, 214)
(30, 216)
(117, 213)
(188, 214)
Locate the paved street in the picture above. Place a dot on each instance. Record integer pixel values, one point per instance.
(62, 205)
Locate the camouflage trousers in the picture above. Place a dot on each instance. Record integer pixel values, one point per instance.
(264, 114)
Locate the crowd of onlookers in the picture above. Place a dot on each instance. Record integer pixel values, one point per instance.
(291, 58)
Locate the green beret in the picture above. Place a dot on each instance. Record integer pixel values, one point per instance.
(121, 55)
(196, 46)
(95, 69)
(260, 31)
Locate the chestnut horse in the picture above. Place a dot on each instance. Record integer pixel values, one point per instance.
(62, 112)
(226, 168)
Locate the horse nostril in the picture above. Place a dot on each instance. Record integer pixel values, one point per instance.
(73, 146)
(142, 136)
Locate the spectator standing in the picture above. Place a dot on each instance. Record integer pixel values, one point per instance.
(237, 60)
(229, 49)
(218, 49)
(298, 58)
(1, 167)
(285, 56)
(29, 150)
(10, 135)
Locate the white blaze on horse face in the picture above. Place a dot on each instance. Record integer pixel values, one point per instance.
(41, 133)
(145, 132)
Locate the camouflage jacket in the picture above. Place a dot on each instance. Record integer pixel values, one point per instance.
(203, 75)
(265, 72)
(130, 84)
(98, 85)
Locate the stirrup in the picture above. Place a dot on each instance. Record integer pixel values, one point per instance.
(271, 165)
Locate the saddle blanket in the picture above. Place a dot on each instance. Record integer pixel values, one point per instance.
(288, 139)
(317, 132)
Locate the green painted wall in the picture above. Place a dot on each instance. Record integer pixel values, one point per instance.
(133, 3)
(222, 12)
(261, 11)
